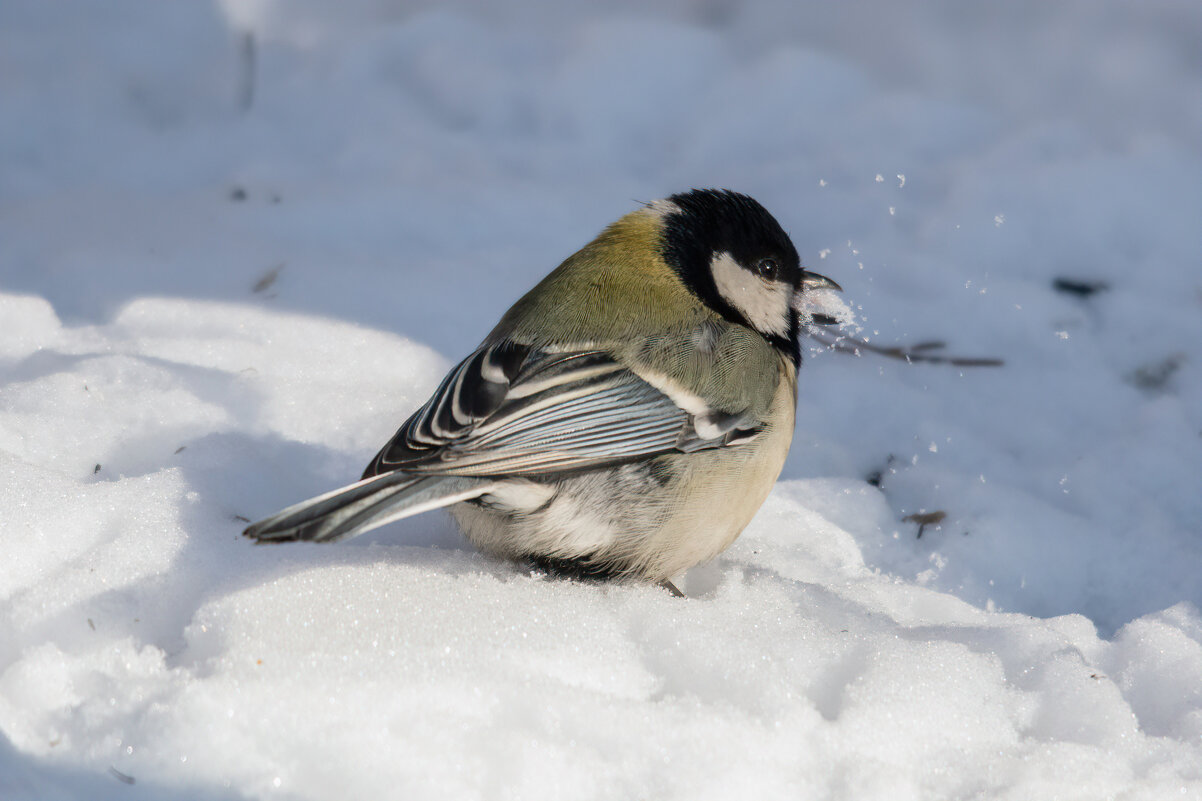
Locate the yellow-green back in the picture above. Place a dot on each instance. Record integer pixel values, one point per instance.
(617, 293)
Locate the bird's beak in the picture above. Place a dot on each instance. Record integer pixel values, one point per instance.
(810, 281)
(809, 306)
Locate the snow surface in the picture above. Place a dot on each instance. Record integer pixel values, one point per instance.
(219, 297)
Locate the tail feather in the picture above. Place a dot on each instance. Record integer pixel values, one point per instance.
(365, 505)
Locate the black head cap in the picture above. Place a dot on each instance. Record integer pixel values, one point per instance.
(703, 223)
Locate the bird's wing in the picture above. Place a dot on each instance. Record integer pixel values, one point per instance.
(514, 410)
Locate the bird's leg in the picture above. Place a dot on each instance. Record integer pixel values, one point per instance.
(672, 589)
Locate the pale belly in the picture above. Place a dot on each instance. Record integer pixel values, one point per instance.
(651, 520)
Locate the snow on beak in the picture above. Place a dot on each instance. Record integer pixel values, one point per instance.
(819, 308)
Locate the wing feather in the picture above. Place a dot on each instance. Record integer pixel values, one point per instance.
(514, 410)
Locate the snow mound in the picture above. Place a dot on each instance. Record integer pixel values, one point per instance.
(143, 634)
(241, 241)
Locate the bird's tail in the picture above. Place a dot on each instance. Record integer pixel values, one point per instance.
(365, 505)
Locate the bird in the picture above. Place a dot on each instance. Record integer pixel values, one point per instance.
(625, 419)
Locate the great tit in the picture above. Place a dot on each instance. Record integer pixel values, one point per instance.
(625, 418)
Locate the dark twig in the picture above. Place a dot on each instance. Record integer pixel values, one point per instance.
(124, 778)
(913, 353)
(248, 61)
(268, 278)
(924, 519)
(1078, 287)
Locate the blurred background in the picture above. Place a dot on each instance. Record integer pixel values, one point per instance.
(1020, 180)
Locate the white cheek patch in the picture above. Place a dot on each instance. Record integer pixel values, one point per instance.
(764, 305)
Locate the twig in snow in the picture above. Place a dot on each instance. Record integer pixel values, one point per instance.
(912, 353)
(924, 519)
(1079, 287)
(264, 283)
(249, 68)
(125, 778)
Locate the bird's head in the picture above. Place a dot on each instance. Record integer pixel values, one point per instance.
(734, 256)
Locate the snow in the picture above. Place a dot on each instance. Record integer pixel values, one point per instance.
(219, 298)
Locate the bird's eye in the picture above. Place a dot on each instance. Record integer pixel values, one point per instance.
(767, 268)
